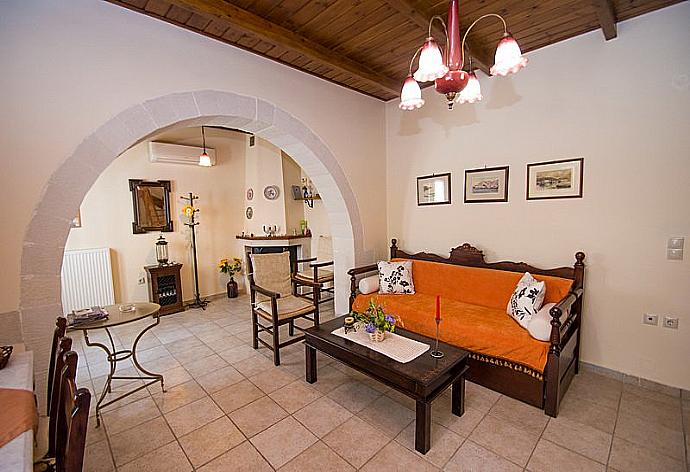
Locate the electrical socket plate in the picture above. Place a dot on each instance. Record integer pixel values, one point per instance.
(670, 322)
(142, 280)
(650, 319)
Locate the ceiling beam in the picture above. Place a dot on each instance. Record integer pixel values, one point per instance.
(408, 10)
(606, 15)
(275, 34)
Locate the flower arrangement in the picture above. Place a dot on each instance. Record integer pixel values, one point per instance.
(376, 322)
(230, 268)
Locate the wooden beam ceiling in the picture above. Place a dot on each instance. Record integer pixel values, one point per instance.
(275, 34)
(606, 14)
(409, 10)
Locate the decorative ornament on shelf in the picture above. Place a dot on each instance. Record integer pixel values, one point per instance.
(231, 268)
(308, 192)
(447, 70)
(376, 322)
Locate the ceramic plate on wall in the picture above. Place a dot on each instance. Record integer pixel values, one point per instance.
(250, 194)
(249, 213)
(272, 192)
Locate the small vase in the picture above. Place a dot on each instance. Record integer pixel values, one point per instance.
(377, 336)
(232, 288)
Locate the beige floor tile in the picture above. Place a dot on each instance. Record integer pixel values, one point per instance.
(272, 379)
(295, 396)
(97, 457)
(472, 457)
(237, 353)
(589, 413)
(505, 438)
(253, 365)
(549, 457)
(172, 378)
(183, 345)
(629, 457)
(178, 396)
(211, 440)
(596, 388)
(588, 441)
(128, 416)
(192, 416)
(189, 356)
(220, 379)
(444, 443)
(237, 395)
(664, 413)
(322, 416)
(394, 457)
(206, 365)
(283, 441)
(353, 395)
(463, 425)
(479, 398)
(169, 458)
(647, 433)
(161, 365)
(356, 441)
(318, 457)
(243, 458)
(520, 413)
(257, 416)
(329, 378)
(128, 445)
(93, 434)
(652, 394)
(220, 341)
(387, 415)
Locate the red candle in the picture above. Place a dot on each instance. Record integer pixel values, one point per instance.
(438, 308)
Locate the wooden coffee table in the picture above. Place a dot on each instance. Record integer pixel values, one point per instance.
(422, 379)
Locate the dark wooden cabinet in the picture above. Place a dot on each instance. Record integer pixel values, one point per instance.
(165, 287)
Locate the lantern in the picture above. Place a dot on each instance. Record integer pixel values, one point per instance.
(162, 250)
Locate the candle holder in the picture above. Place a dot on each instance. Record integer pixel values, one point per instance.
(436, 354)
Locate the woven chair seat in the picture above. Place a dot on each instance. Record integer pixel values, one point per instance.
(325, 275)
(289, 306)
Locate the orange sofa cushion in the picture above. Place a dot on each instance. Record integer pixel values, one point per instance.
(473, 309)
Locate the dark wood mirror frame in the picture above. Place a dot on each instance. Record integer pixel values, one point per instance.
(139, 226)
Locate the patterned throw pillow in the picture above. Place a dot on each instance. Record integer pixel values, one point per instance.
(396, 277)
(526, 300)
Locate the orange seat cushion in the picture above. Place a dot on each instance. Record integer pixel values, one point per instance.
(473, 309)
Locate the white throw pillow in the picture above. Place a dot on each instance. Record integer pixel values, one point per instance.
(396, 277)
(526, 300)
(539, 326)
(369, 284)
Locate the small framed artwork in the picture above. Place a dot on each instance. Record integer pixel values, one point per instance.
(555, 179)
(486, 185)
(76, 222)
(297, 192)
(433, 189)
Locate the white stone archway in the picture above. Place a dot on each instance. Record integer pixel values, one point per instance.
(47, 232)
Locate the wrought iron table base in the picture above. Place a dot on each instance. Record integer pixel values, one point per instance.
(114, 357)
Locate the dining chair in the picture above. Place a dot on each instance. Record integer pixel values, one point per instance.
(272, 289)
(58, 334)
(72, 419)
(320, 270)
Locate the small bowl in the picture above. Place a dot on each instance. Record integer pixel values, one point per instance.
(127, 308)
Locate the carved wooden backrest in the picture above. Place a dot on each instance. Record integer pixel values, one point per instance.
(58, 334)
(73, 416)
(53, 400)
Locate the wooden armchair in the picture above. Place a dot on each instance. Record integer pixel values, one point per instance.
(272, 293)
(320, 271)
(72, 418)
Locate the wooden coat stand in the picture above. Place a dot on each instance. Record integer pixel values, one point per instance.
(198, 302)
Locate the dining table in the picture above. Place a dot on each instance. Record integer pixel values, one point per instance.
(18, 412)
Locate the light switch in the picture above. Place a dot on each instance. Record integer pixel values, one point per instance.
(674, 254)
(676, 243)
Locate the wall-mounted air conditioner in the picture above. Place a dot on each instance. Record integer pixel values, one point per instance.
(178, 154)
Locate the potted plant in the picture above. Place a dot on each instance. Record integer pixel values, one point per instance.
(376, 322)
(231, 267)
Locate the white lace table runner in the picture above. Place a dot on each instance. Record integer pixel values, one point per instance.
(398, 348)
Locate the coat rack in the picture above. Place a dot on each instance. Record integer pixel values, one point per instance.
(198, 302)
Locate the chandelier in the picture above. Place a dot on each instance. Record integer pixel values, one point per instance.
(447, 70)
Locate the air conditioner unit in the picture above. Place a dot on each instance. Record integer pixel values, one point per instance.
(178, 154)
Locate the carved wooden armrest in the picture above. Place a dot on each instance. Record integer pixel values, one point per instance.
(362, 270)
(309, 283)
(557, 311)
(265, 291)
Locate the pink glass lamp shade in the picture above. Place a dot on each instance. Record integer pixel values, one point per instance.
(509, 58)
(431, 64)
(472, 92)
(411, 96)
(204, 160)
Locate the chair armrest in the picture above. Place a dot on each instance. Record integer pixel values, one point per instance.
(321, 264)
(265, 291)
(308, 259)
(363, 269)
(309, 283)
(557, 311)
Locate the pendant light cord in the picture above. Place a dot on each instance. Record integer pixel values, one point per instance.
(203, 137)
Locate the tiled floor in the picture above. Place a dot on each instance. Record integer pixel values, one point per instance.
(228, 408)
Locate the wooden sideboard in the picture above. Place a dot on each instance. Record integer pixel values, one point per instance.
(165, 287)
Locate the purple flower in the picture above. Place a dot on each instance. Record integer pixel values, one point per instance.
(370, 328)
(390, 319)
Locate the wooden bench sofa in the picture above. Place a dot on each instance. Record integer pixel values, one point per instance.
(474, 294)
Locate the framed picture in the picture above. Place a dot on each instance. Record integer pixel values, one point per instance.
(433, 189)
(486, 185)
(555, 179)
(76, 222)
(297, 193)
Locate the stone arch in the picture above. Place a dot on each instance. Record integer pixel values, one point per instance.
(47, 232)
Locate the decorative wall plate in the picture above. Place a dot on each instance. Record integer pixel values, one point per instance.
(250, 194)
(272, 192)
(249, 213)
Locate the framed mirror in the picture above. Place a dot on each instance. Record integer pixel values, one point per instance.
(151, 206)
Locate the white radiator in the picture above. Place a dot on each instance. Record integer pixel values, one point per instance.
(87, 279)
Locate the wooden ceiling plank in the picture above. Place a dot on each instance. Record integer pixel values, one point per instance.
(158, 7)
(178, 15)
(409, 11)
(607, 17)
(276, 34)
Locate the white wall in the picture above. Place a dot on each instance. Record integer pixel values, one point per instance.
(264, 168)
(70, 66)
(624, 106)
(107, 213)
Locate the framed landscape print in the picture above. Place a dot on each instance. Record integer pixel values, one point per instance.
(433, 189)
(555, 179)
(486, 185)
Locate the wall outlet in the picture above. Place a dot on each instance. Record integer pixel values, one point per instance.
(142, 279)
(650, 319)
(670, 322)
